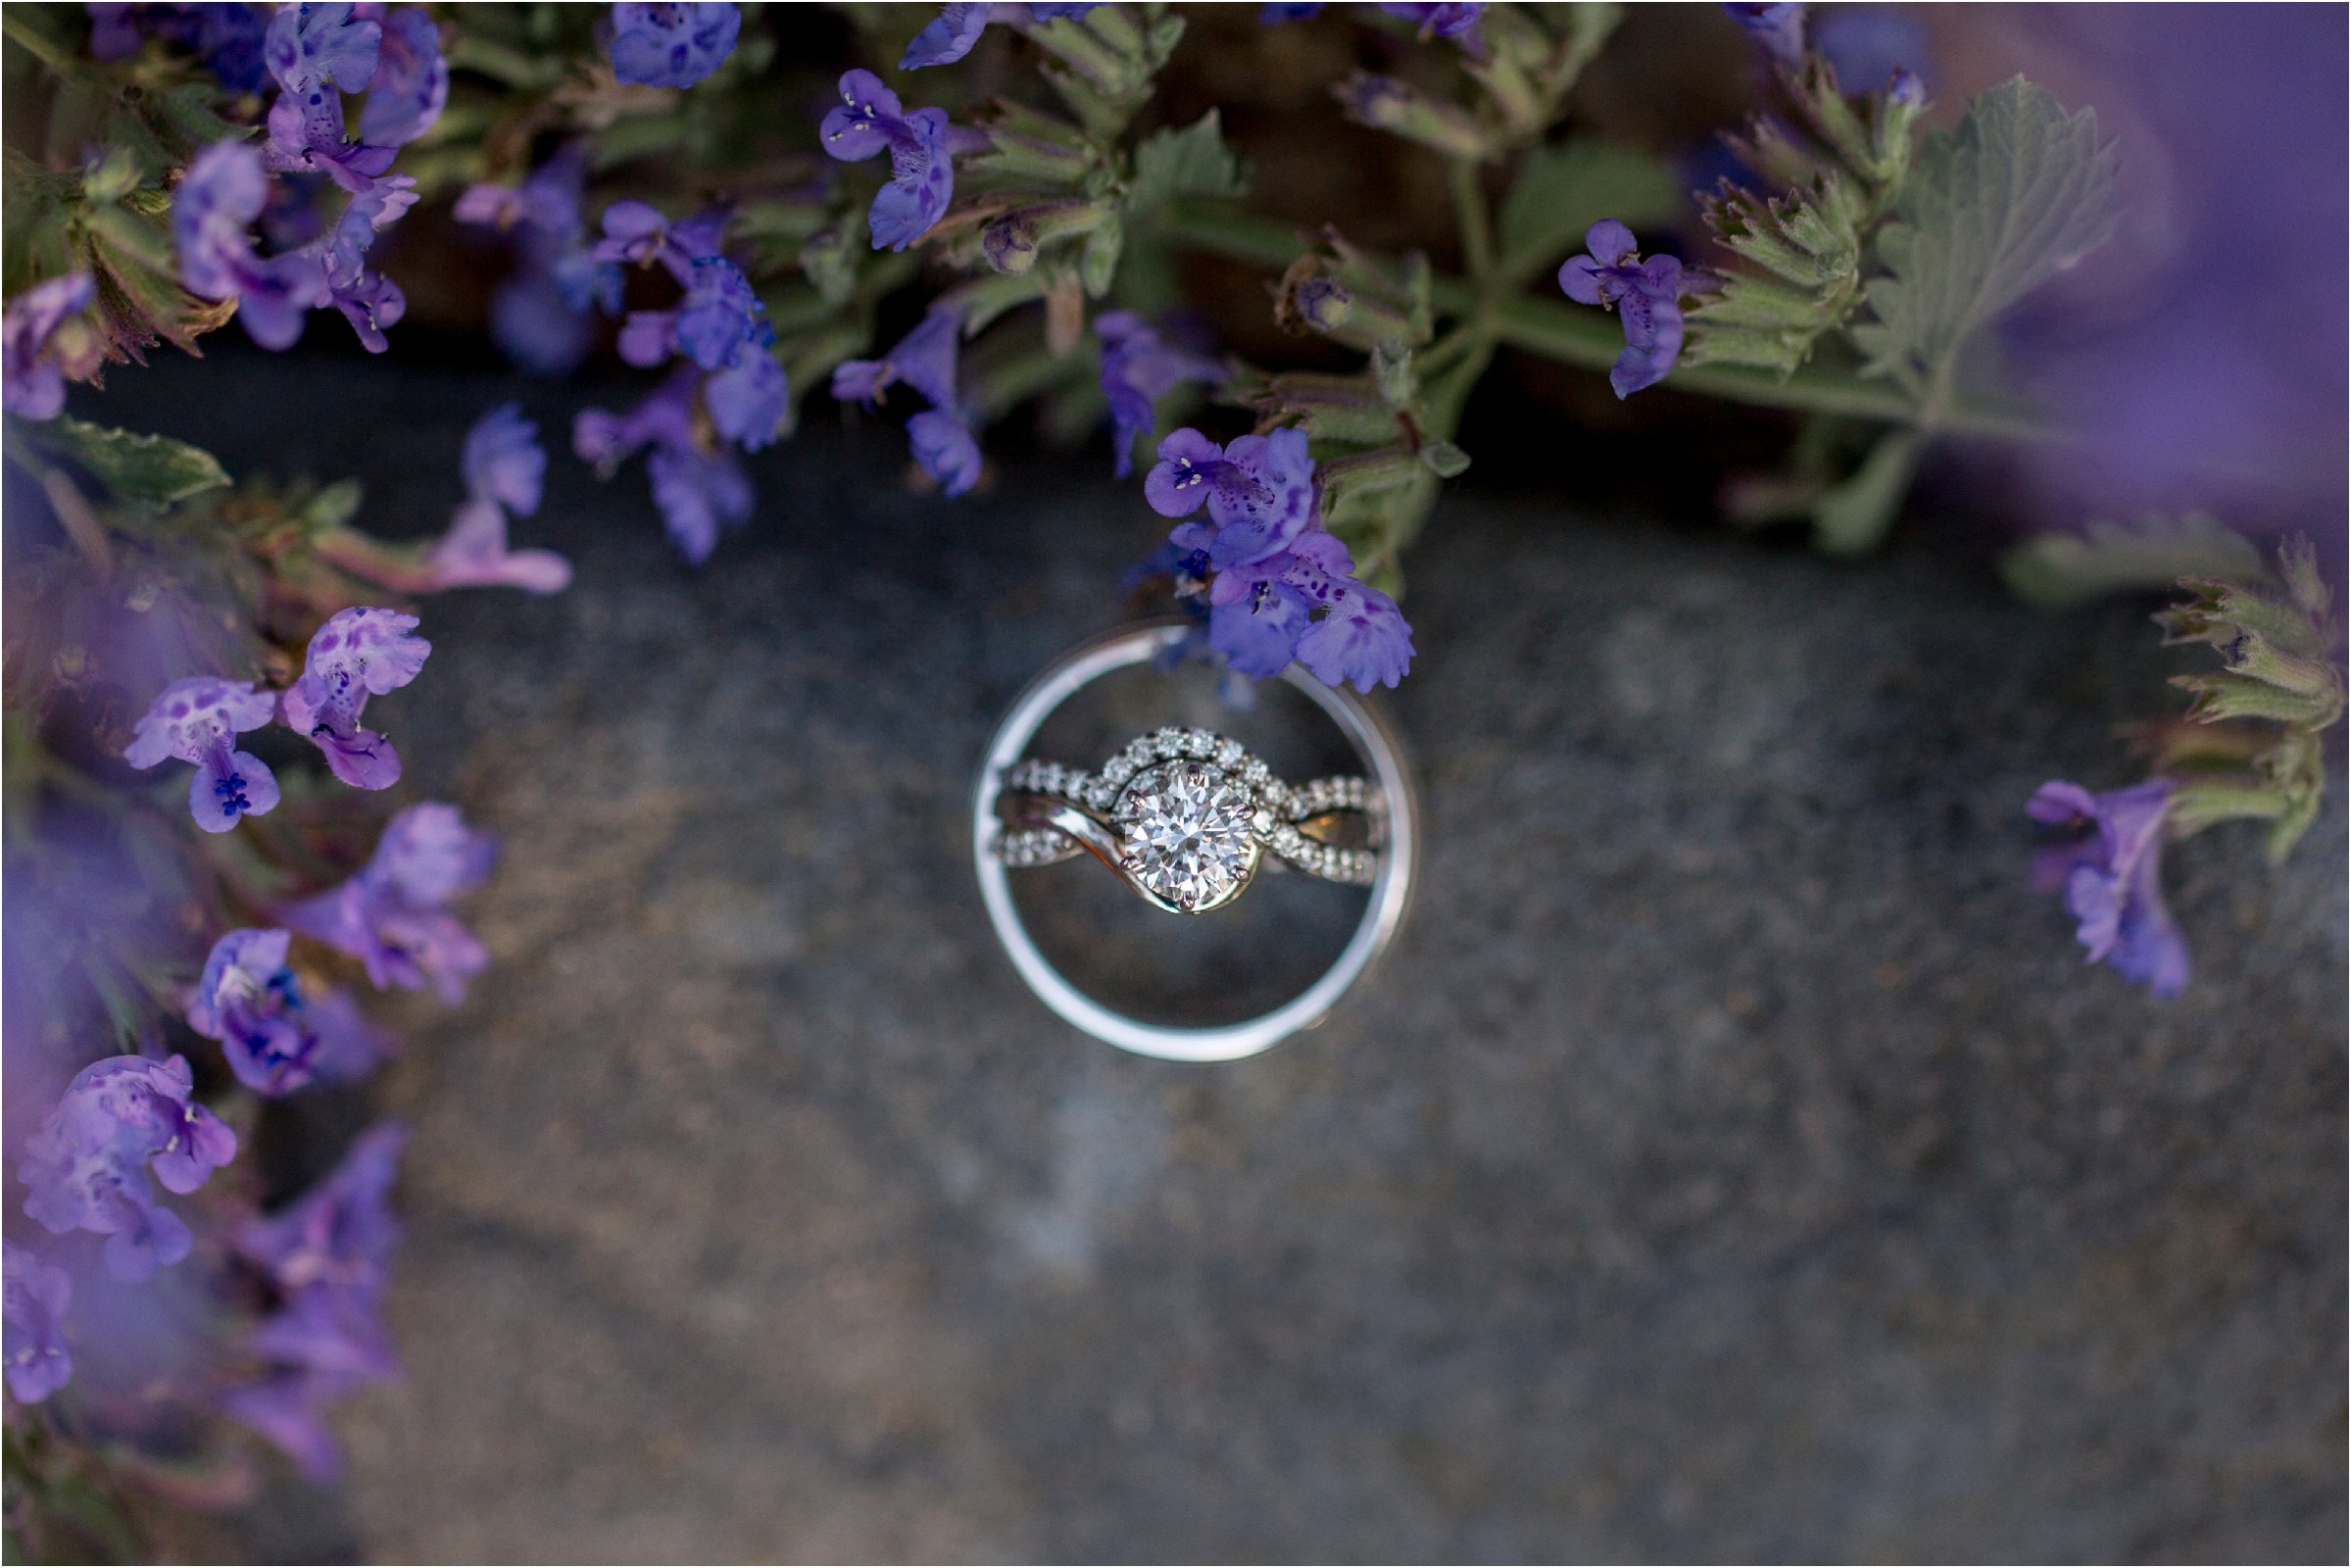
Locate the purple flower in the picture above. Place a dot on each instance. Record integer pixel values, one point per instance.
(308, 44)
(955, 29)
(33, 382)
(673, 45)
(505, 466)
(922, 178)
(87, 1167)
(1280, 10)
(925, 360)
(1777, 28)
(637, 232)
(1457, 22)
(539, 317)
(306, 136)
(2111, 877)
(212, 214)
(360, 653)
(699, 492)
(393, 917)
(1284, 587)
(198, 720)
(411, 85)
(249, 1001)
(1139, 368)
(350, 1045)
(36, 1297)
(1647, 296)
(327, 1255)
(229, 37)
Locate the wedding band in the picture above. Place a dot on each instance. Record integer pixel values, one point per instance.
(1218, 818)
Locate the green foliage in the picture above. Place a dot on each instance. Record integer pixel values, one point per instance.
(2279, 687)
(2058, 571)
(1193, 160)
(1804, 250)
(149, 470)
(2022, 191)
(1562, 190)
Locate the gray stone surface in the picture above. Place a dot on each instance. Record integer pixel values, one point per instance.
(1734, 1161)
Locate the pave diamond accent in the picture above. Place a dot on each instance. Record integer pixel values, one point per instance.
(1187, 833)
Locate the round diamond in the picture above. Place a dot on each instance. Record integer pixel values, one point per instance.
(1187, 833)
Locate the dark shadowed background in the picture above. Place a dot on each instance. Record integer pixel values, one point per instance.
(1735, 1159)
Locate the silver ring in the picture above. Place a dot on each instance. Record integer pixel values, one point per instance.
(1086, 819)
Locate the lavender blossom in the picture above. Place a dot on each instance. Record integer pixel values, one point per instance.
(504, 468)
(393, 917)
(87, 1167)
(951, 33)
(197, 720)
(925, 360)
(249, 1001)
(33, 383)
(1647, 296)
(229, 38)
(2112, 878)
(540, 317)
(360, 653)
(313, 44)
(923, 176)
(1777, 28)
(327, 1255)
(1140, 368)
(673, 45)
(1457, 22)
(1283, 588)
(36, 1297)
(636, 233)
(699, 491)
(411, 85)
(212, 214)
(350, 1045)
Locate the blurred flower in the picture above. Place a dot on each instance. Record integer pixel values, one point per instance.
(328, 1255)
(411, 85)
(923, 176)
(950, 36)
(1647, 296)
(86, 1168)
(699, 491)
(33, 383)
(249, 1001)
(504, 468)
(1457, 22)
(2111, 878)
(360, 653)
(540, 317)
(350, 1045)
(1777, 28)
(36, 1297)
(1140, 368)
(1283, 588)
(925, 360)
(310, 44)
(212, 214)
(636, 231)
(393, 917)
(197, 720)
(1869, 45)
(228, 37)
(673, 45)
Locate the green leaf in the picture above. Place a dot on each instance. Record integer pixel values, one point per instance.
(1851, 519)
(1444, 459)
(1563, 190)
(2058, 571)
(2021, 192)
(151, 469)
(1192, 162)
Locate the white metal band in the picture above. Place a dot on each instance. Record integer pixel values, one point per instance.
(1383, 912)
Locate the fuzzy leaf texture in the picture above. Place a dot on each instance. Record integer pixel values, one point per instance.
(1193, 160)
(151, 471)
(2059, 570)
(2021, 192)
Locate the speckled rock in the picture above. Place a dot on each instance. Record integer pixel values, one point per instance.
(1734, 1161)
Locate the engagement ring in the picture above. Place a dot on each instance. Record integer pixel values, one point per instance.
(1186, 818)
